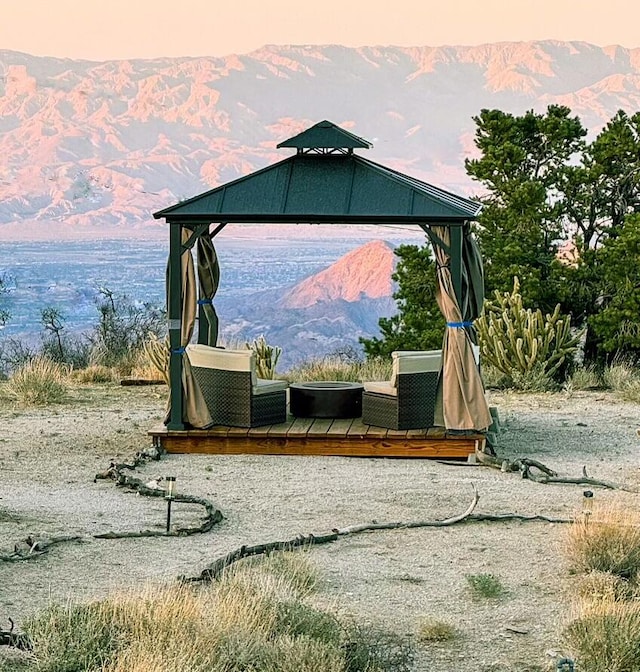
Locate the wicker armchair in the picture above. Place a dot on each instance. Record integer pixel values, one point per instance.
(235, 396)
(408, 400)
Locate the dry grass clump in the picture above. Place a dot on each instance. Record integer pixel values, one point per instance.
(38, 382)
(584, 378)
(623, 378)
(604, 586)
(606, 541)
(606, 637)
(605, 634)
(95, 373)
(255, 618)
(335, 368)
(433, 630)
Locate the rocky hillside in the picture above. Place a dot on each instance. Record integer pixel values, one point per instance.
(326, 312)
(97, 146)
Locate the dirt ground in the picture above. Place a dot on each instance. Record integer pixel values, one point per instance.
(48, 459)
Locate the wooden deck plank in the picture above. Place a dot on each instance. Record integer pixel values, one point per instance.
(320, 426)
(339, 427)
(358, 428)
(300, 427)
(377, 432)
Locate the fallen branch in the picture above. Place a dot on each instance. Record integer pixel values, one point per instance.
(31, 547)
(17, 640)
(215, 569)
(526, 467)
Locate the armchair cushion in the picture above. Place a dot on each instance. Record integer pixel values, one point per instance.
(264, 386)
(381, 387)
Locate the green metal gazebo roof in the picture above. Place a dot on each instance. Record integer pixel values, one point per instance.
(325, 135)
(320, 186)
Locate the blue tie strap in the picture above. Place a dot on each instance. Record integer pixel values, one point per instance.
(205, 302)
(459, 325)
(178, 351)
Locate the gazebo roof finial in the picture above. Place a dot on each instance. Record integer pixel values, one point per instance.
(326, 138)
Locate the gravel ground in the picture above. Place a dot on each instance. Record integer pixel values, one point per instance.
(48, 458)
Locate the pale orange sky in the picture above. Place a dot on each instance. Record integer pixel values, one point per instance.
(108, 29)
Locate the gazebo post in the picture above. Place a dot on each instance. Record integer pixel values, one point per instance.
(174, 308)
(455, 233)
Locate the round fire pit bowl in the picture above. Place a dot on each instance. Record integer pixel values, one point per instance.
(326, 399)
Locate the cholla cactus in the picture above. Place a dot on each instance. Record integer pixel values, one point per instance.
(519, 340)
(266, 357)
(157, 352)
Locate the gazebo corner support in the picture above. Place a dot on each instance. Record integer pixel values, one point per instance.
(174, 307)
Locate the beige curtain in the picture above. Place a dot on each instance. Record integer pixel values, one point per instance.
(462, 404)
(194, 409)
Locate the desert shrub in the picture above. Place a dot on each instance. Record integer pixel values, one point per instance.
(253, 619)
(266, 357)
(122, 329)
(73, 637)
(618, 375)
(584, 378)
(606, 637)
(623, 377)
(606, 541)
(485, 586)
(597, 585)
(368, 648)
(58, 345)
(335, 368)
(494, 379)
(433, 630)
(522, 343)
(38, 382)
(94, 374)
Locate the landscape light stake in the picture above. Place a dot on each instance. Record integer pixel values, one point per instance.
(587, 504)
(171, 484)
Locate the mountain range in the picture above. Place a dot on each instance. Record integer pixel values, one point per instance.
(93, 148)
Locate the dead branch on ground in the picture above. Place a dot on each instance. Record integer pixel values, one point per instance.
(533, 470)
(215, 569)
(17, 640)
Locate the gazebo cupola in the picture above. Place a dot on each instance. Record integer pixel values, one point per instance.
(325, 138)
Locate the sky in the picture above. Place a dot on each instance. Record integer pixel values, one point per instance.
(119, 29)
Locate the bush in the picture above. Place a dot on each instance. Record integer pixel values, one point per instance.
(94, 374)
(606, 637)
(335, 368)
(254, 618)
(485, 586)
(433, 630)
(584, 378)
(38, 382)
(122, 330)
(523, 344)
(606, 541)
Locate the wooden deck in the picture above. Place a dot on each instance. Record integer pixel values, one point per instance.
(307, 436)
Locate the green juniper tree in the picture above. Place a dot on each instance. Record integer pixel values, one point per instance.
(418, 325)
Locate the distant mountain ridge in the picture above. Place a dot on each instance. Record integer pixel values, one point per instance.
(95, 146)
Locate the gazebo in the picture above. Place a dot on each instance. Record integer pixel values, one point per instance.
(324, 182)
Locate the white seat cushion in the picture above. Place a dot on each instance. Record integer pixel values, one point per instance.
(381, 387)
(414, 361)
(264, 386)
(227, 360)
